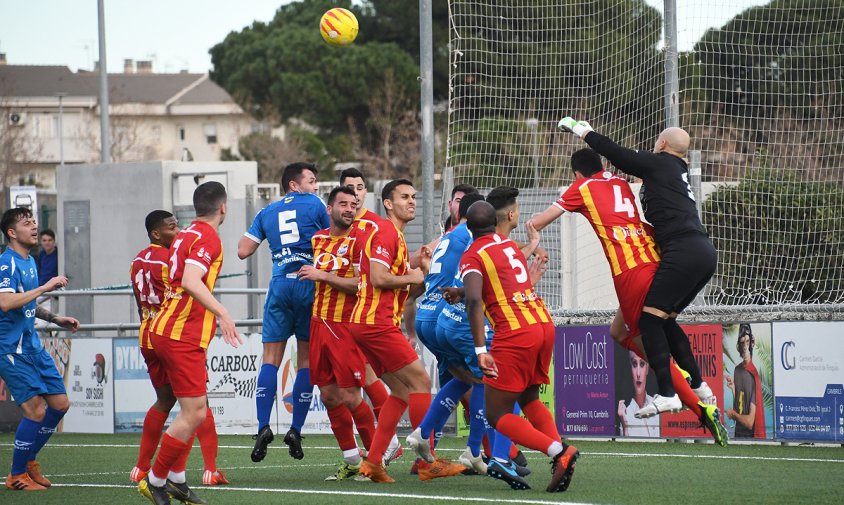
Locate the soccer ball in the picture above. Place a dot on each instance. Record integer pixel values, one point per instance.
(338, 27)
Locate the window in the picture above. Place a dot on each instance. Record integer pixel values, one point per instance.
(210, 131)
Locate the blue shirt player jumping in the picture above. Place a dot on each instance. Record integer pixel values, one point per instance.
(287, 225)
(25, 365)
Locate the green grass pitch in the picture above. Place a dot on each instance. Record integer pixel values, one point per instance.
(89, 469)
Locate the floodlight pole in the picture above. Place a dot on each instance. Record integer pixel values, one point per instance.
(426, 63)
(105, 136)
(672, 78)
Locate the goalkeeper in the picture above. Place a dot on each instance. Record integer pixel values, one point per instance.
(688, 256)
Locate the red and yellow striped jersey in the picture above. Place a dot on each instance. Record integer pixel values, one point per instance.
(365, 225)
(382, 306)
(149, 275)
(608, 203)
(333, 254)
(510, 302)
(181, 317)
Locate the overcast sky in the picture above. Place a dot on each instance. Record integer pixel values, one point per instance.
(176, 34)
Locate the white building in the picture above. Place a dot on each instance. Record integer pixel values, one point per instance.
(153, 117)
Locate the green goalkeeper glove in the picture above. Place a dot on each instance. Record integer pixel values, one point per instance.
(579, 128)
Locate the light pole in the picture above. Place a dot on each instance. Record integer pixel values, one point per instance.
(61, 96)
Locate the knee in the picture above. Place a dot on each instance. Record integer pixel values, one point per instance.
(422, 383)
(330, 399)
(62, 404)
(197, 415)
(35, 410)
(618, 333)
(165, 404)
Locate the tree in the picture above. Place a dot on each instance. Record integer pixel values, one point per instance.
(779, 239)
(17, 149)
(272, 154)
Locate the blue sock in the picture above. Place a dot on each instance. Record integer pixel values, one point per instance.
(46, 430)
(303, 393)
(24, 441)
(441, 407)
(265, 393)
(477, 420)
(502, 444)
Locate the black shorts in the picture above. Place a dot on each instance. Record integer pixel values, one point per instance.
(687, 264)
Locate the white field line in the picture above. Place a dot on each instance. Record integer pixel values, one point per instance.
(587, 454)
(426, 497)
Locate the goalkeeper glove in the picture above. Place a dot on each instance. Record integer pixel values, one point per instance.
(579, 128)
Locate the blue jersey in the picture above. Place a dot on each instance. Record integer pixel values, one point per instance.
(445, 261)
(454, 320)
(288, 225)
(17, 326)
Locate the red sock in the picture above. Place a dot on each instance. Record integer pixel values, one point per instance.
(181, 462)
(171, 449)
(208, 441)
(365, 421)
(540, 417)
(514, 451)
(418, 404)
(341, 425)
(377, 394)
(520, 431)
(150, 436)
(682, 388)
(391, 413)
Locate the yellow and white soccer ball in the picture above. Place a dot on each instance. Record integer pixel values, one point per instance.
(338, 27)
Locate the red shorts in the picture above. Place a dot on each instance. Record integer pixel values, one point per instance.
(385, 347)
(523, 357)
(335, 358)
(632, 287)
(184, 364)
(157, 374)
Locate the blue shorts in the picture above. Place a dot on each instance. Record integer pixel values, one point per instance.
(30, 375)
(426, 332)
(287, 311)
(459, 350)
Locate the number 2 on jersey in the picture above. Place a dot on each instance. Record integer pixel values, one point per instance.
(436, 265)
(517, 264)
(287, 227)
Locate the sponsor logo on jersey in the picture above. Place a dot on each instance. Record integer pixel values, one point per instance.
(5, 283)
(623, 232)
(380, 251)
(329, 262)
(4, 267)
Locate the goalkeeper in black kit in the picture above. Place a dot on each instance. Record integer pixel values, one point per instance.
(688, 256)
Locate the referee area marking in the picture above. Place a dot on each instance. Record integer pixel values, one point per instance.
(591, 453)
(348, 493)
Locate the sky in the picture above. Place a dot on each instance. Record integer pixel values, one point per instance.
(177, 34)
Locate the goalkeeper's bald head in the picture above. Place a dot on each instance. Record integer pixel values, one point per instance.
(673, 141)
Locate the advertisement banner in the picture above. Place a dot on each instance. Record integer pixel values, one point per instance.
(748, 384)
(584, 381)
(89, 383)
(133, 392)
(706, 343)
(635, 387)
(808, 381)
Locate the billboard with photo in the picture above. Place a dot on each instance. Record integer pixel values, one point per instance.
(748, 384)
(90, 387)
(809, 380)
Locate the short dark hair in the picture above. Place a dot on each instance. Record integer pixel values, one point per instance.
(466, 202)
(502, 196)
(340, 189)
(587, 162)
(46, 231)
(293, 172)
(207, 197)
(387, 192)
(463, 188)
(351, 173)
(155, 218)
(11, 217)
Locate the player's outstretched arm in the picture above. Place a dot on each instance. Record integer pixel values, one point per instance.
(542, 219)
(69, 323)
(193, 286)
(11, 301)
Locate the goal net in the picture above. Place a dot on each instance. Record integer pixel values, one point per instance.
(760, 92)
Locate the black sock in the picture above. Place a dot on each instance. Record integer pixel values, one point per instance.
(681, 349)
(656, 347)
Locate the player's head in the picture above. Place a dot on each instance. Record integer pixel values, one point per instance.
(457, 194)
(47, 238)
(342, 206)
(299, 177)
(467, 202)
(162, 227)
(639, 369)
(481, 219)
(353, 178)
(399, 200)
(673, 141)
(19, 227)
(503, 199)
(586, 162)
(746, 342)
(209, 200)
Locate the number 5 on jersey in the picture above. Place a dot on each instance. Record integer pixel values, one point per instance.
(287, 227)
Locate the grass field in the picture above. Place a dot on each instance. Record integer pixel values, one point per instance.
(89, 469)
